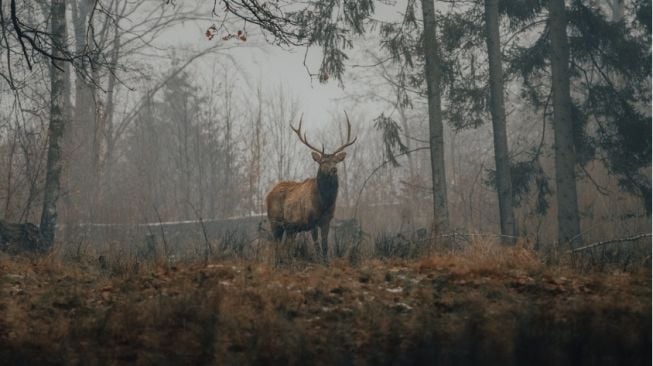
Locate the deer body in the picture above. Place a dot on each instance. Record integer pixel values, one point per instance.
(295, 207)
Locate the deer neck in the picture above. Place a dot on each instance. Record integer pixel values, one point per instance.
(327, 188)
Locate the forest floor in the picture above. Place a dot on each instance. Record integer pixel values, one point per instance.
(484, 306)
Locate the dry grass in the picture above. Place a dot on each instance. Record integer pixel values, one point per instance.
(485, 305)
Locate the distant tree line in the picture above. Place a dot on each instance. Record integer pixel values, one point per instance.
(79, 144)
(584, 65)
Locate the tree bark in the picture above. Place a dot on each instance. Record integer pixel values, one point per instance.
(498, 111)
(565, 156)
(436, 133)
(257, 153)
(109, 143)
(227, 201)
(80, 132)
(56, 126)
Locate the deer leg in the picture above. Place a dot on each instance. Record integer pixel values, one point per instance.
(289, 245)
(324, 232)
(277, 235)
(316, 243)
(290, 237)
(277, 232)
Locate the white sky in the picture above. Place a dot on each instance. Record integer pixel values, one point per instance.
(271, 65)
(259, 62)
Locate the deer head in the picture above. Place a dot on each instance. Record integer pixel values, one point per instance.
(326, 161)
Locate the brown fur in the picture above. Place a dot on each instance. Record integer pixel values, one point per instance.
(296, 206)
(302, 206)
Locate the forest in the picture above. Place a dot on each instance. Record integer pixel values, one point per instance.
(325, 182)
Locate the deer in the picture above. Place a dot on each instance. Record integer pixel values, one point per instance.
(295, 207)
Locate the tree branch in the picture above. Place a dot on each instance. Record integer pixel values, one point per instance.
(620, 240)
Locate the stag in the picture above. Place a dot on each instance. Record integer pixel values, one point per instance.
(295, 207)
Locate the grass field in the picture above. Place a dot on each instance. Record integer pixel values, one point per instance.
(486, 305)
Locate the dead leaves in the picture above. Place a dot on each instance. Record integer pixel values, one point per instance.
(212, 31)
(105, 292)
(250, 303)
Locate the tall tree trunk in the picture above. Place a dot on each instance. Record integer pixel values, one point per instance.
(436, 133)
(257, 152)
(7, 215)
(81, 131)
(57, 124)
(186, 163)
(497, 108)
(98, 151)
(227, 201)
(108, 138)
(565, 156)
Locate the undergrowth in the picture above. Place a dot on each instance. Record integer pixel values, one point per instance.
(485, 305)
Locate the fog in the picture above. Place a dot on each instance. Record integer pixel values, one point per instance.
(338, 182)
(177, 118)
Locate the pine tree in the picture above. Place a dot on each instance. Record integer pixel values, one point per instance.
(498, 111)
(564, 152)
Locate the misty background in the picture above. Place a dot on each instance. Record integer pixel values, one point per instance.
(174, 116)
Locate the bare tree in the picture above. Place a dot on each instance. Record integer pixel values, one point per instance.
(228, 118)
(256, 145)
(283, 110)
(56, 126)
(26, 37)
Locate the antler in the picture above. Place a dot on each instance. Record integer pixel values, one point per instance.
(298, 131)
(348, 143)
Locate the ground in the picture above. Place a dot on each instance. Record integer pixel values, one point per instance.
(489, 306)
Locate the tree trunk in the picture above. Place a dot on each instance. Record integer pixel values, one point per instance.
(257, 153)
(436, 140)
(498, 111)
(80, 140)
(227, 202)
(108, 138)
(98, 151)
(56, 126)
(565, 156)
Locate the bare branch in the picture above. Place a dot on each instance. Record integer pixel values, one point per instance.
(620, 240)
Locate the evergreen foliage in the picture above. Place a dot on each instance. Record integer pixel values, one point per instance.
(609, 65)
(611, 81)
(391, 138)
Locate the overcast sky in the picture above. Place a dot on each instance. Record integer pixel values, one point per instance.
(260, 62)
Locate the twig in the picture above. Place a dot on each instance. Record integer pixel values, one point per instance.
(619, 240)
(163, 234)
(208, 251)
(602, 190)
(454, 234)
(384, 163)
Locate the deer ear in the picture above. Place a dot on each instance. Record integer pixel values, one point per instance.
(317, 157)
(340, 156)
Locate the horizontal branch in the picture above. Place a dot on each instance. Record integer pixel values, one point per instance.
(620, 240)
